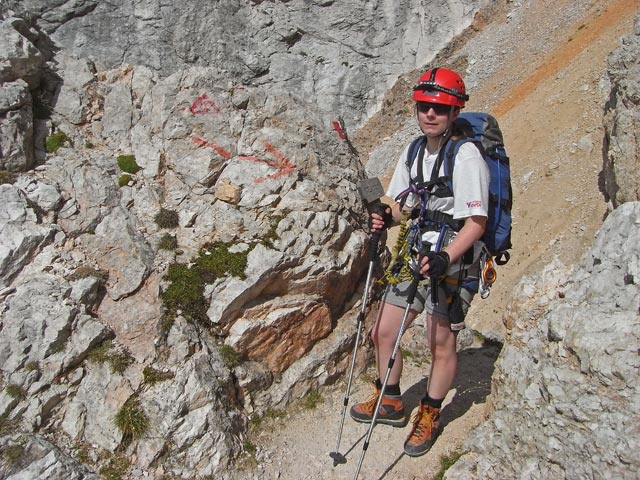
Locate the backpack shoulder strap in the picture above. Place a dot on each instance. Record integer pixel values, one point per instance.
(452, 149)
(415, 145)
(416, 151)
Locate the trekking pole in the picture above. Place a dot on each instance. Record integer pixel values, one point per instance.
(373, 253)
(411, 294)
(434, 281)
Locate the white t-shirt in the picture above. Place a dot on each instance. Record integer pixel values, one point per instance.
(470, 188)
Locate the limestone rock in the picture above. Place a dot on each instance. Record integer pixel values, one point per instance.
(45, 328)
(565, 391)
(339, 53)
(41, 459)
(121, 250)
(20, 58)
(76, 99)
(21, 233)
(88, 189)
(228, 192)
(16, 127)
(621, 168)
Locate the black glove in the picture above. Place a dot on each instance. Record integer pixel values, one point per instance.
(384, 211)
(438, 263)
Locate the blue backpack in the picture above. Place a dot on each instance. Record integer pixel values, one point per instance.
(482, 129)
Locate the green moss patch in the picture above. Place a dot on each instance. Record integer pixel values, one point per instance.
(124, 180)
(185, 293)
(217, 261)
(56, 141)
(127, 163)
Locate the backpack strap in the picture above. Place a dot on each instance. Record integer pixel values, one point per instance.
(414, 148)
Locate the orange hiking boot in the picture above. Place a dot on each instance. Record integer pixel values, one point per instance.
(425, 430)
(391, 410)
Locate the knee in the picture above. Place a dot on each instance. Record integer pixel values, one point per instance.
(443, 353)
(382, 336)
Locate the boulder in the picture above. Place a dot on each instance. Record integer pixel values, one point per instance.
(565, 391)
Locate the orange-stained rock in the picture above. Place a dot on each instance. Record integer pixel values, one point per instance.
(281, 331)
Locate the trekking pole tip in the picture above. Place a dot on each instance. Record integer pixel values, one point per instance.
(338, 458)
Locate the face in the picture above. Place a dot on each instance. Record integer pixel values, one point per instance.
(433, 118)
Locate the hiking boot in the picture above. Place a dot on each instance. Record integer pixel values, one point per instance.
(425, 430)
(391, 410)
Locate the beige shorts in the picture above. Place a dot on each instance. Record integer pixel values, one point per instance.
(455, 309)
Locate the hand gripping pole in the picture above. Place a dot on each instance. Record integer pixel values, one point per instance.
(373, 255)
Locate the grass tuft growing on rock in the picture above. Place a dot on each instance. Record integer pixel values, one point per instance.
(12, 454)
(56, 141)
(85, 271)
(106, 352)
(271, 236)
(16, 391)
(447, 462)
(116, 468)
(7, 425)
(168, 242)
(153, 375)
(131, 419)
(7, 177)
(230, 356)
(311, 400)
(166, 218)
(32, 366)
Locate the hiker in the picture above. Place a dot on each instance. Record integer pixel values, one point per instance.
(439, 96)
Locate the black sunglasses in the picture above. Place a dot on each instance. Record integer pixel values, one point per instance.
(439, 108)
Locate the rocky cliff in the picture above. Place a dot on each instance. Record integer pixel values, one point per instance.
(181, 226)
(181, 239)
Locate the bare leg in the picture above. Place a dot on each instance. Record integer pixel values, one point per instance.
(444, 358)
(384, 335)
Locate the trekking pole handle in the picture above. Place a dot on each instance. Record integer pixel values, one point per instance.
(373, 245)
(434, 281)
(434, 290)
(413, 287)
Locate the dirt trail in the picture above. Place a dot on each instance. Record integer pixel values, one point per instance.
(549, 104)
(601, 26)
(552, 123)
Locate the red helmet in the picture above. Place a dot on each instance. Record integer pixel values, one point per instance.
(440, 85)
